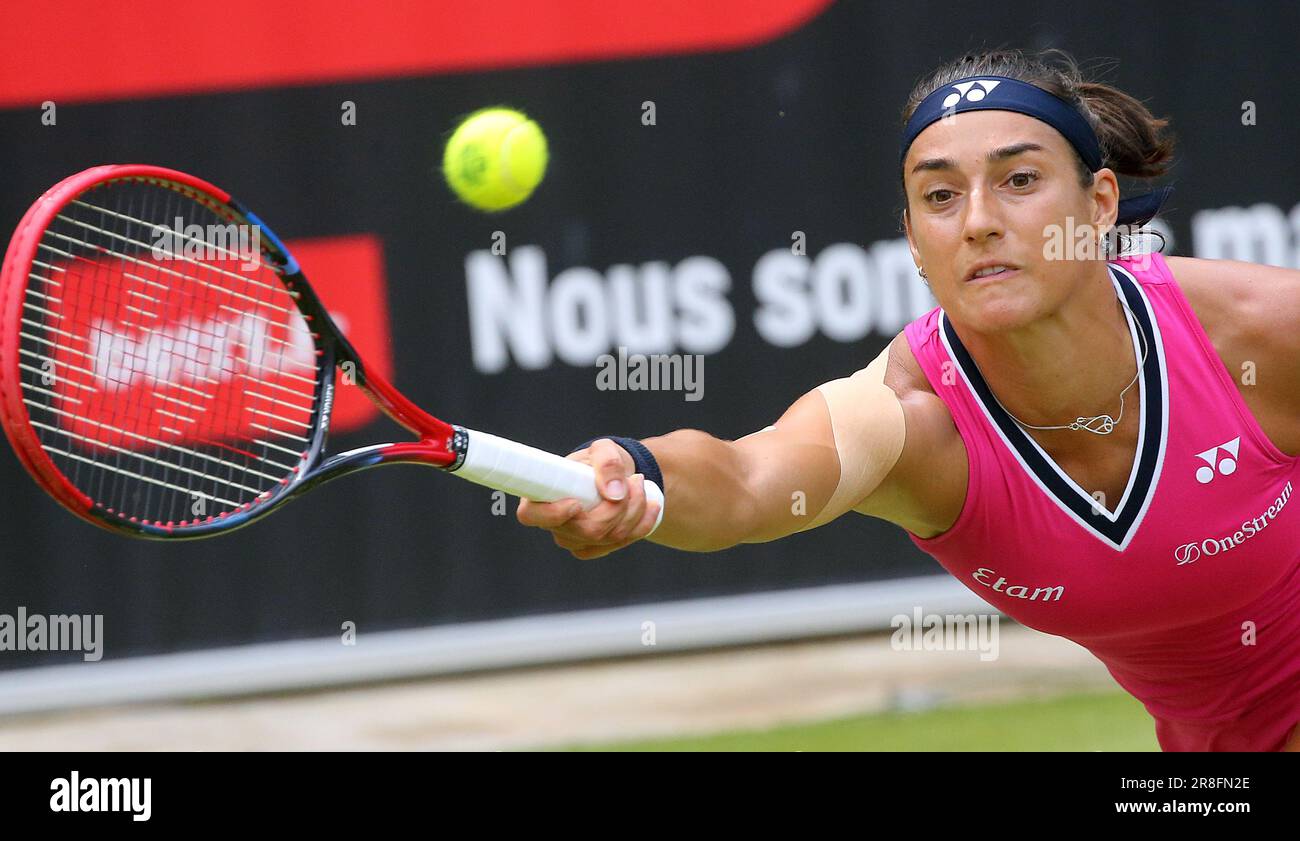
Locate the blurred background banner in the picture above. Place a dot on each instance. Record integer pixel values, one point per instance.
(723, 185)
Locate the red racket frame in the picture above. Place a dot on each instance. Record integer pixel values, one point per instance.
(440, 444)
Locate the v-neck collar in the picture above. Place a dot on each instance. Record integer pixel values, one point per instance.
(1113, 526)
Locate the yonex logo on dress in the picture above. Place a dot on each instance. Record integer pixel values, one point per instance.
(973, 91)
(1210, 546)
(1226, 465)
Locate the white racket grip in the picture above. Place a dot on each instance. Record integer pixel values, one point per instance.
(524, 471)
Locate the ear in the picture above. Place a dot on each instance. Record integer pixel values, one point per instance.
(1105, 198)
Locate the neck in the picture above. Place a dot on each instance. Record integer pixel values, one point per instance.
(1072, 363)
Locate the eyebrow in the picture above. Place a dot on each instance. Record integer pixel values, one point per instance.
(1001, 154)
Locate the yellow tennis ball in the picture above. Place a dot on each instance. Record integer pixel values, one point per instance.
(495, 158)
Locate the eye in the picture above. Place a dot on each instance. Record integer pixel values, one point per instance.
(930, 196)
(1027, 174)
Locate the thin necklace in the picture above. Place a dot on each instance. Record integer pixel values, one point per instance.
(1098, 424)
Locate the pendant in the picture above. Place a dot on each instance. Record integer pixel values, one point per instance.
(1099, 425)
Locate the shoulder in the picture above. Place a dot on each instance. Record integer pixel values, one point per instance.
(1251, 315)
(929, 423)
(1241, 303)
(926, 489)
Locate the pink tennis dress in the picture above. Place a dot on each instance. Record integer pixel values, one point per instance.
(1188, 587)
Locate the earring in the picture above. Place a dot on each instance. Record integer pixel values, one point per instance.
(1103, 245)
(921, 271)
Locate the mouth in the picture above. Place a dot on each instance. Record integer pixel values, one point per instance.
(990, 273)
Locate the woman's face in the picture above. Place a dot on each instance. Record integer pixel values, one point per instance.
(1000, 186)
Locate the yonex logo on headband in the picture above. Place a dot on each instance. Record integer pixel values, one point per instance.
(974, 93)
(969, 91)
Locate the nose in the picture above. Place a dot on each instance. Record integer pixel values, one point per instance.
(983, 217)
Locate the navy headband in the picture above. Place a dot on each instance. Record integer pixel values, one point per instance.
(1001, 93)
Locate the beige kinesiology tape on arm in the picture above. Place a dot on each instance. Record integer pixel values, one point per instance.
(869, 427)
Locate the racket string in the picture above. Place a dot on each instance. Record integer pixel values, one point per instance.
(175, 408)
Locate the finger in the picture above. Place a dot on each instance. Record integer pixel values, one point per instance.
(591, 528)
(568, 541)
(613, 465)
(594, 524)
(547, 515)
(647, 523)
(633, 510)
(583, 455)
(590, 553)
(575, 546)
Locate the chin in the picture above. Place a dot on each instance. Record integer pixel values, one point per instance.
(998, 310)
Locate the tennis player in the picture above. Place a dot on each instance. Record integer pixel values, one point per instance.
(1103, 447)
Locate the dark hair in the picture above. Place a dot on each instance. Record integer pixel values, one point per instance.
(1133, 141)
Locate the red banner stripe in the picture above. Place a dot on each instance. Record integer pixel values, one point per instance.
(89, 50)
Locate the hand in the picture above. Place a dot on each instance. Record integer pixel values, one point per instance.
(622, 516)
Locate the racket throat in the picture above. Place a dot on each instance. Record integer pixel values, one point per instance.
(458, 446)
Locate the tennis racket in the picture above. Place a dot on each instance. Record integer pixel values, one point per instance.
(167, 372)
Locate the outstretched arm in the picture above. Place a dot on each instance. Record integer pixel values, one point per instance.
(824, 455)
